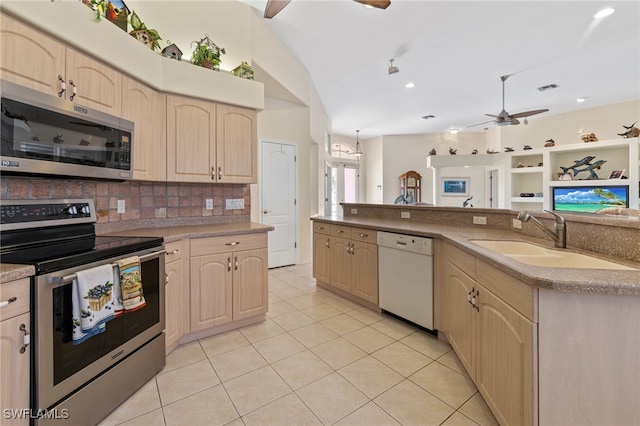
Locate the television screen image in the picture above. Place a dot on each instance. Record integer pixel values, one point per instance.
(589, 199)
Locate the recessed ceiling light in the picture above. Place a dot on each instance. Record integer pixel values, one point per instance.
(454, 131)
(547, 87)
(410, 85)
(603, 13)
(581, 99)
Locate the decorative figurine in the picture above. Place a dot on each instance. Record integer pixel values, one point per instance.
(474, 152)
(491, 151)
(520, 165)
(632, 132)
(432, 152)
(589, 167)
(452, 151)
(549, 143)
(508, 149)
(588, 137)
(526, 147)
(172, 52)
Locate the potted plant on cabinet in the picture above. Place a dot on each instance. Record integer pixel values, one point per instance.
(207, 54)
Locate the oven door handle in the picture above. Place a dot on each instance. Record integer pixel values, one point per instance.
(71, 277)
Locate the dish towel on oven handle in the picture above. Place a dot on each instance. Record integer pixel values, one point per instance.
(92, 302)
(129, 294)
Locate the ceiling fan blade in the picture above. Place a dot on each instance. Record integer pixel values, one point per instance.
(491, 115)
(528, 113)
(274, 7)
(514, 121)
(480, 124)
(379, 4)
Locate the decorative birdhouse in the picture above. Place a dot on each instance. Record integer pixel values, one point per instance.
(172, 52)
(243, 70)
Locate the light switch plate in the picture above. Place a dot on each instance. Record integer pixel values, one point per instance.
(121, 205)
(354, 211)
(208, 204)
(405, 215)
(517, 224)
(479, 220)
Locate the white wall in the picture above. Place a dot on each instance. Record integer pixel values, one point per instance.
(372, 160)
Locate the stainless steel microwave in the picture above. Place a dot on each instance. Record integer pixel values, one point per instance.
(46, 135)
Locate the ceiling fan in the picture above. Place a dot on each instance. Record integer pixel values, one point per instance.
(506, 119)
(274, 7)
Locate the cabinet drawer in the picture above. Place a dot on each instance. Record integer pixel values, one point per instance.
(322, 228)
(341, 231)
(18, 289)
(513, 292)
(366, 235)
(463, 260)
(174, 251)
(213, 245)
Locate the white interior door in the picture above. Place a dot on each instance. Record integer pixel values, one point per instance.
(278, 183)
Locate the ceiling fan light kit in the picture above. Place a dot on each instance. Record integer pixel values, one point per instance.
(392, 69)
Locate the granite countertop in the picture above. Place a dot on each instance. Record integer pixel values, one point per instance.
(11, 272)
(570, 280)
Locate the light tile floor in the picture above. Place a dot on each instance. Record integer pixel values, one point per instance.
(318, 359)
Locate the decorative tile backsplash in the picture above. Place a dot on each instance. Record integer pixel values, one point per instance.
(143, 200)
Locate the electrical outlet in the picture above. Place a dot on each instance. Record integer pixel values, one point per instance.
(479, 220)
(405, 215)
(208, 203)
(234, 203)
(121, 206)
(354, 211)
(517, 224)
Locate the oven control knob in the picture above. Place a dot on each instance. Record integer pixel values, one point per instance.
(72, 210)
(85, 210)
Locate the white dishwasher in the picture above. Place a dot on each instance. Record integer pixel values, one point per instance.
(405, 274)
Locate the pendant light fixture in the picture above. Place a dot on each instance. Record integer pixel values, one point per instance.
(357, 152)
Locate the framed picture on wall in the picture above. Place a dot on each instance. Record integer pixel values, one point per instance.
(455, 186)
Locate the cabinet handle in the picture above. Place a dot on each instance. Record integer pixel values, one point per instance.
(228, 263)
(63, 86)
(236, 263)
(176, 251)
(469, 294)
(74, 90)
(213, 173)
(26, 339)
(235, 243)
(363, 235)
(474, 299)
(166, 279)
(13, 299)
(321, 228)
(327, 243)
(219, 172)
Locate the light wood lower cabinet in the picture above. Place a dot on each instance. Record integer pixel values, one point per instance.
(229, 279)
(488, 317)
(14, 352)
(176, 295)
(346, 259)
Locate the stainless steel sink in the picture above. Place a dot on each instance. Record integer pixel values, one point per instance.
(536, 255)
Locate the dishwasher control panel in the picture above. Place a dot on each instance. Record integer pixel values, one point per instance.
(411, 243)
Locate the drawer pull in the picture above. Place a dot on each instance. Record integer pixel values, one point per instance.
(6, 302)
(26, 339)
(321, 228)
(363, 235)
(232, 244)
(339, 231)
(176, 251)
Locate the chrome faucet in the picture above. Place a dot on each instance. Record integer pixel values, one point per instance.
(559, 233)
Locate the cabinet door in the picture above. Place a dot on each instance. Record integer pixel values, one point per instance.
(461, 331)
(321, 257)
(250, 283)
(174, 304)
(341, 263)
(30, 58)
(14, 380)
(147, 109)
(98, 86)
(236, 144)
(364, 265)
(191, 135)
(505, 362)
(211, 291)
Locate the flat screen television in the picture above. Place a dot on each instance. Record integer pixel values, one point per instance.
(589, 199)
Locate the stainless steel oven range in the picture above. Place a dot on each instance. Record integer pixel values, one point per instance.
(81, 383)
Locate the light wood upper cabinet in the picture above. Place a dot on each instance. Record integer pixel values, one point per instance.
(97, 85)
(14, 352)
(147, 109)
(30, 58)
(191, 148)
(236, 144)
